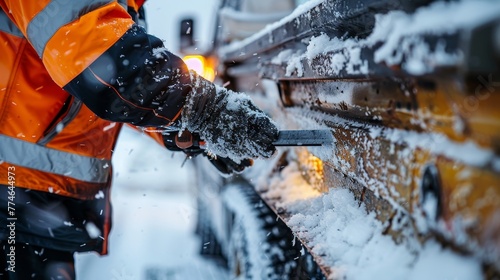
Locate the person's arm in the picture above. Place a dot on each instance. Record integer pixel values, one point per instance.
(94, 51)
(135, 81)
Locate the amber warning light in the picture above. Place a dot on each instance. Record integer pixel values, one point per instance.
(199, 64)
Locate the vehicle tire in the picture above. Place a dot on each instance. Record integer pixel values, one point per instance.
(209, 244)
(261, 246)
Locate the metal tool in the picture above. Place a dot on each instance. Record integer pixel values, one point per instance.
(285, 138)
(304, 138)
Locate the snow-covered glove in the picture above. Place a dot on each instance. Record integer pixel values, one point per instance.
(231, 125)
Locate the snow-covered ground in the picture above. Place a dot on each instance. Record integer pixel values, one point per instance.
(153, 220)
(351, 241)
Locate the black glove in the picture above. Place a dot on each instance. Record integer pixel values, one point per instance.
(228, 167)
(224, 165)
(232, 126)
(171, 143)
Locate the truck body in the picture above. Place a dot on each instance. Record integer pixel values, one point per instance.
(410, 92)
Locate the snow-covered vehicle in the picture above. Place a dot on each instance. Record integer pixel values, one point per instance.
(409, 90)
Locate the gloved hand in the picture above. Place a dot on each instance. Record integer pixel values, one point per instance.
(231, 125)
(224, 165)
(171, 143)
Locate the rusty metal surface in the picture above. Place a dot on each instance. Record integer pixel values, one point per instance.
(397, 135)
(378, 126)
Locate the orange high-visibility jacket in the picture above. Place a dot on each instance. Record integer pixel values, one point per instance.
(70, 73)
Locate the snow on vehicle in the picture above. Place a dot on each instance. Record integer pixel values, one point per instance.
(409, 90)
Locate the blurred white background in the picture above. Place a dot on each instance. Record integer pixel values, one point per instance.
(163, 18)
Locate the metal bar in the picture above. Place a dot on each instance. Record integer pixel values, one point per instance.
(304, 138)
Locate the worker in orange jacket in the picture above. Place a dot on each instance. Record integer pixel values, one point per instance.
(72, 72)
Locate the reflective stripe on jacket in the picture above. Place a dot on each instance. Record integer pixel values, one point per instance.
(55, 142)
(59, 31)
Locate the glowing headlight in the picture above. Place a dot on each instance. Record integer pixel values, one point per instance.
(198, 63)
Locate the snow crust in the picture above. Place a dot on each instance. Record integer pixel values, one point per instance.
(351, 240)
(397, 31)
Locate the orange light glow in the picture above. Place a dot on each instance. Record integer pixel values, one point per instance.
(312, 168)
(199, 64)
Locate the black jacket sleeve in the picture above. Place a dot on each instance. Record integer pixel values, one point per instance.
(135, 81)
